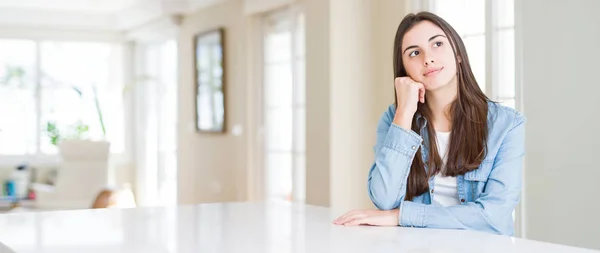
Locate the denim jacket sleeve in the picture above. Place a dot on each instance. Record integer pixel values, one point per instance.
(395, 150)
(492, 210)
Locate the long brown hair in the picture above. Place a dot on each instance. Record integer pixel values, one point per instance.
(468, 138)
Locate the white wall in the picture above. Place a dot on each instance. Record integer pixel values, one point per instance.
(560, 52)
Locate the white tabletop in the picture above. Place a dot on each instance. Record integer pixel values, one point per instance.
(236, 227)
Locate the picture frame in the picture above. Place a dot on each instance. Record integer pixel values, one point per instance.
(210, 81)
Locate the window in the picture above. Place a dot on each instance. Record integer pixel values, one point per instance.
(284, 105)
(156, 122)
(504, 30)
(468, 19)
(18, 97)
(487, 29)
(67, 84)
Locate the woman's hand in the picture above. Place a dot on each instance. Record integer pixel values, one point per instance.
(369, 217)
(408, 94)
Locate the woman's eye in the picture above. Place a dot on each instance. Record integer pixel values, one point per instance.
(413, 53)
(438, 44)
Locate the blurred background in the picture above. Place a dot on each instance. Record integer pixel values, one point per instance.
(125, 103)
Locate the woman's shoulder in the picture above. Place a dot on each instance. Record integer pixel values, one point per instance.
(499, 114)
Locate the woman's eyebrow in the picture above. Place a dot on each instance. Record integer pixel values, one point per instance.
(430, 39)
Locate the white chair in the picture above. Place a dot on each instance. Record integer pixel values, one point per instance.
(82, 174)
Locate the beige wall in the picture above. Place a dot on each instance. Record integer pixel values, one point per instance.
(387, 16)
(353, 92)
(349, 85)
(212, 167)
(317, 105)
(351, 104)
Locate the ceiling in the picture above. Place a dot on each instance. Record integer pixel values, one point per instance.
(88, 6)
(103, 15)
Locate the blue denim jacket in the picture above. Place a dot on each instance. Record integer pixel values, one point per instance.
(488, 195)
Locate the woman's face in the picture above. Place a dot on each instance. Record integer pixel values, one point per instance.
(427, 56)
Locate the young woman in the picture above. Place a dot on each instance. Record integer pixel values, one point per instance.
(446, 156)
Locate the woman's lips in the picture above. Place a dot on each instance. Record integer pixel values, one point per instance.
(433, 71)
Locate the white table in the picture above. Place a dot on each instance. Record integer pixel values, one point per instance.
(236, 227)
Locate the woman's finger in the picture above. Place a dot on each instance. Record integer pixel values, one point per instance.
(357, 221)
(355, 215)
(345, 216)
(360, 215)
(421, 93)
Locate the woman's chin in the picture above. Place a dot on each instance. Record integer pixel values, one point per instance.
(434, 85)
(431, 86)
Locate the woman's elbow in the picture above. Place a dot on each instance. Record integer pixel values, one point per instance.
(499, 223)
(384, 201)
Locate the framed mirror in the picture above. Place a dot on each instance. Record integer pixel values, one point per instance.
(209, 55)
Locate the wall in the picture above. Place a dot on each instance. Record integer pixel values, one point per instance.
(349, 85)
(212, 166)
(387, 16)
(317, 106)
(352, 107)
(559, 50)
